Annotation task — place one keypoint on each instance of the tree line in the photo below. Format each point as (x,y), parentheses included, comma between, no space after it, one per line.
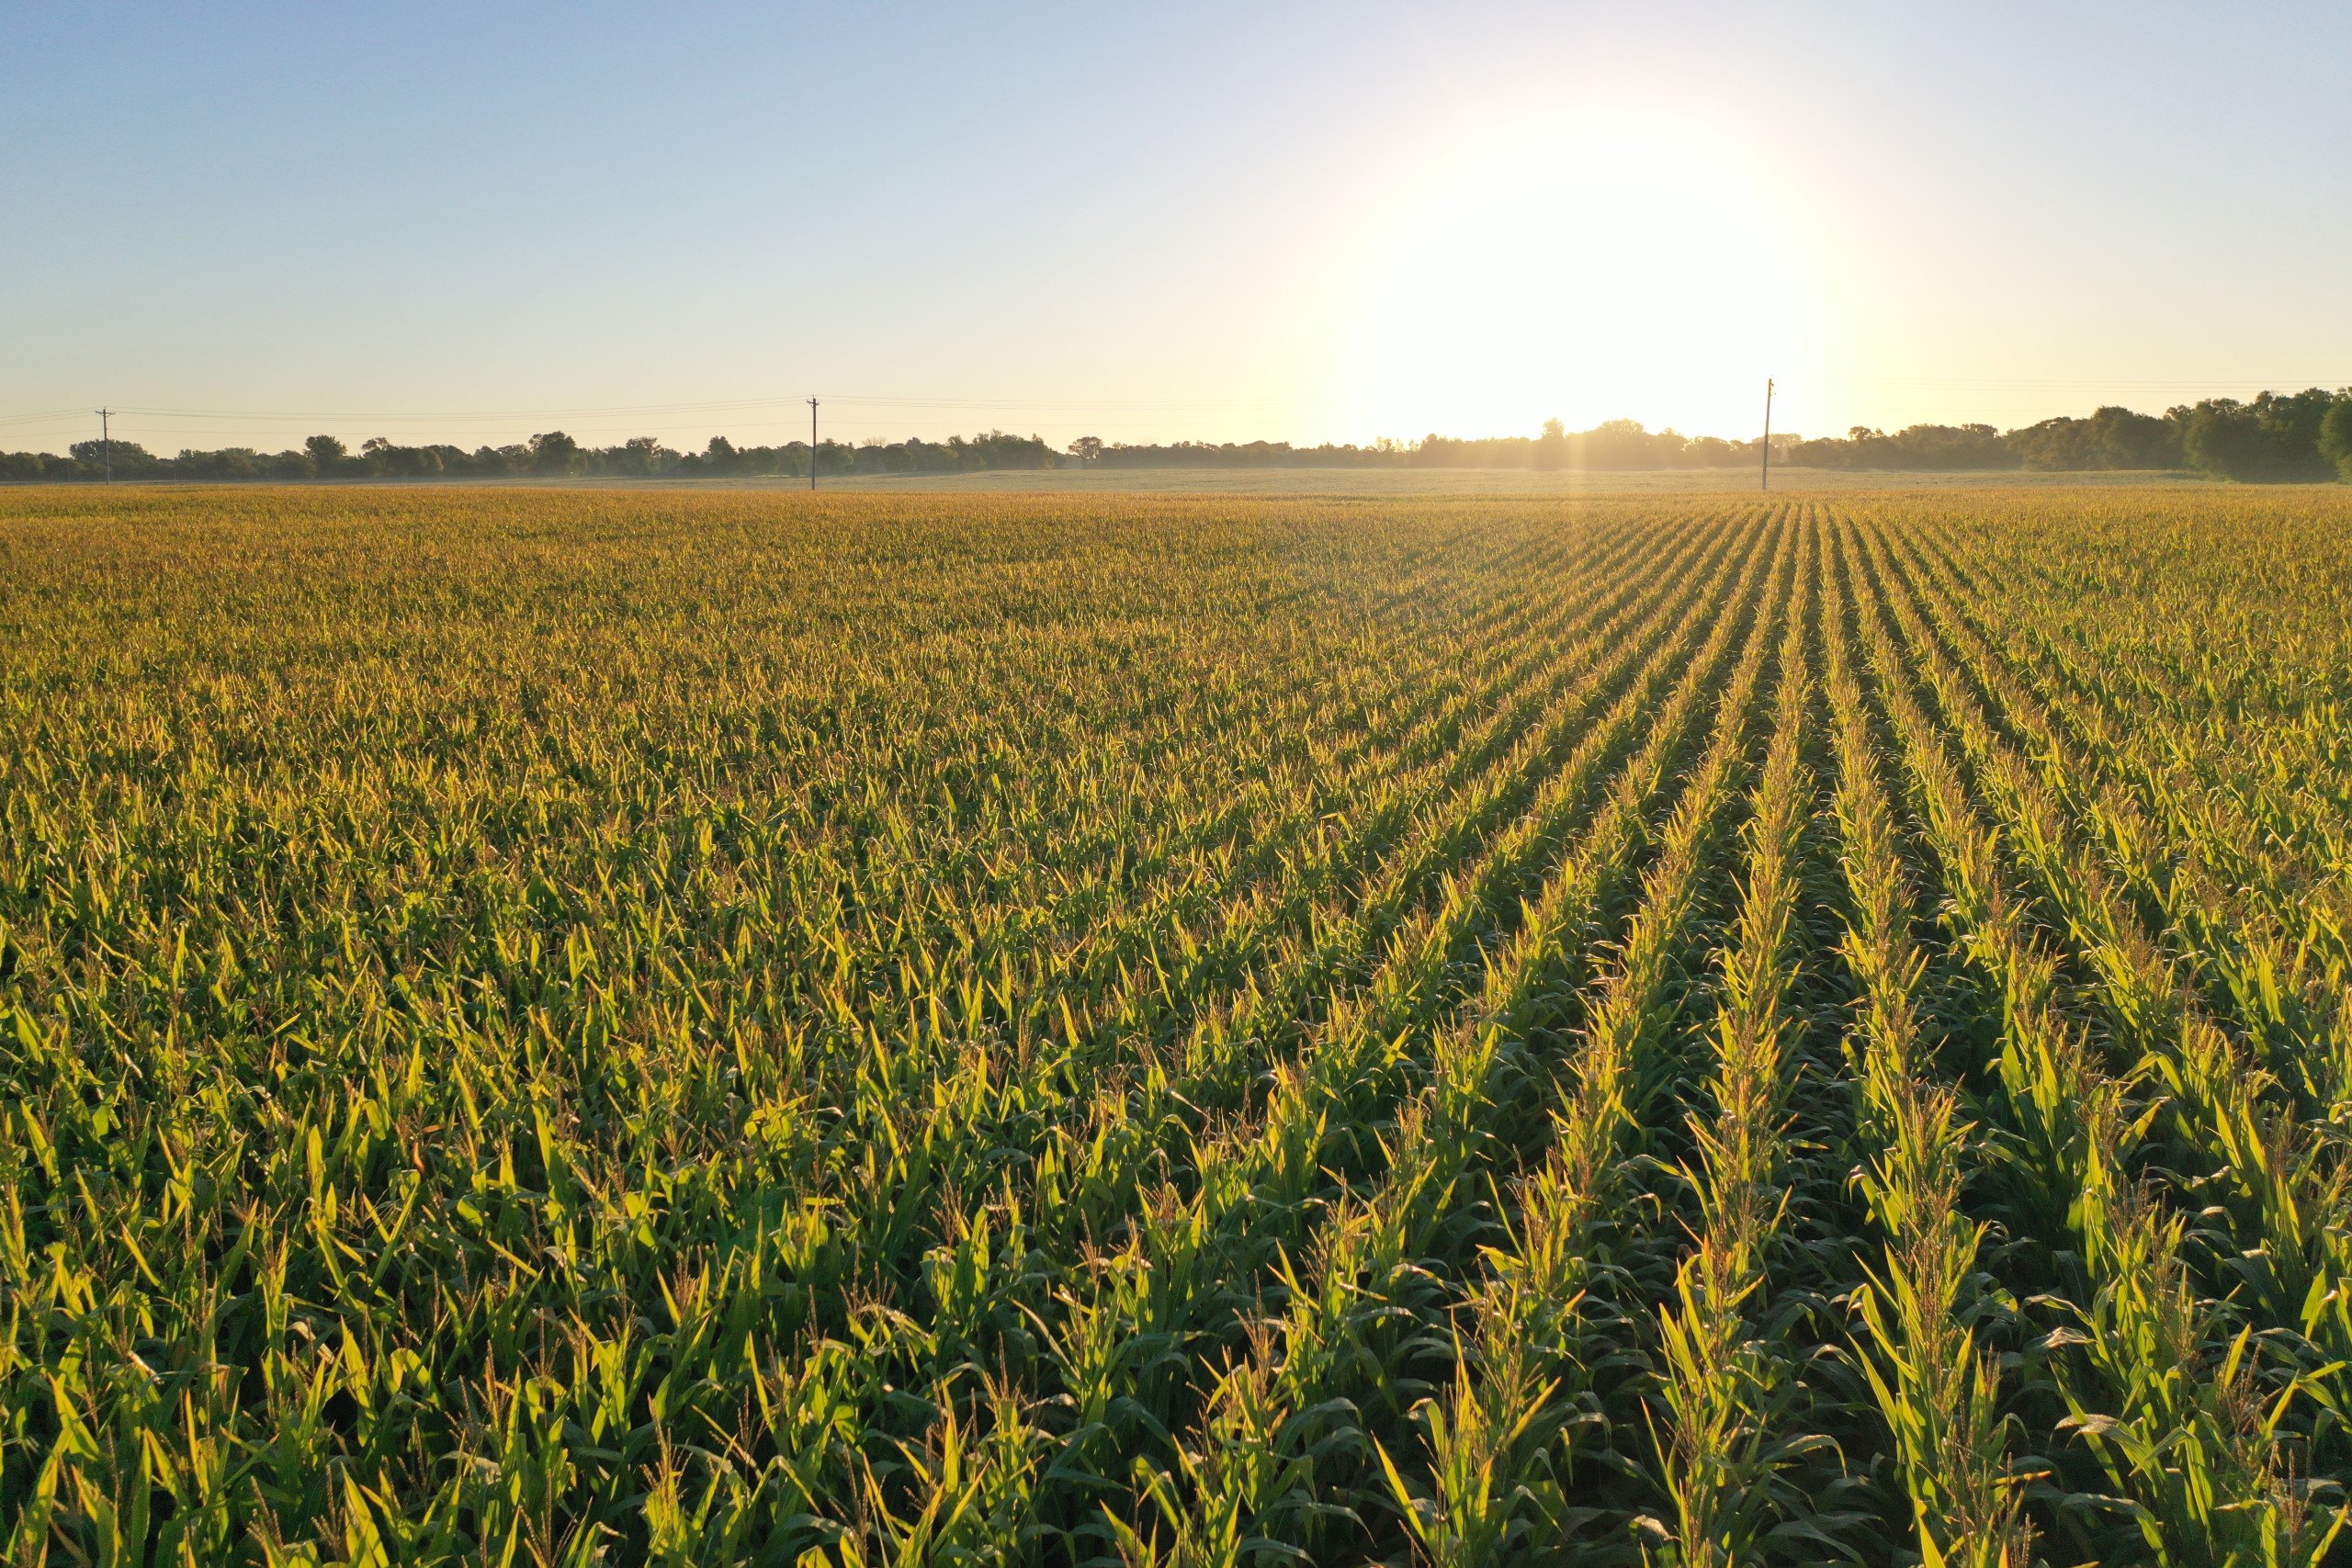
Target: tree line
(2276,437)
(2304,437)
(551,455)
(2279,437)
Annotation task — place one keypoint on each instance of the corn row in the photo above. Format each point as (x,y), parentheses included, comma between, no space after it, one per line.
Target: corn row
(2235,898)
(2190,1447)
(1726,1391)
(2285,1186)
(1505,1447)
(546,1026)
(1938,1385)
(1261,1199)
(986,1267)
(1297,1408)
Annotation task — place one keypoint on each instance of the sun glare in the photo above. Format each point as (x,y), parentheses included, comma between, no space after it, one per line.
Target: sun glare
(1584,275)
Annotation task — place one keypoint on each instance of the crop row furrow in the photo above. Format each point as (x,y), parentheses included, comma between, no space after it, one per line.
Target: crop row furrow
(1302,1246)
(2282,1185)
(1509,1447)
(2155,1387)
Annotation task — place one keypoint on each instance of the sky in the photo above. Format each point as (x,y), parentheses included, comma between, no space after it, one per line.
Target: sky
(243,223)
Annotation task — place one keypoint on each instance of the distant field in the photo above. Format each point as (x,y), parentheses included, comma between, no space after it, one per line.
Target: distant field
(719,1026)
(1478,481)
(1365,482)
(1440,481)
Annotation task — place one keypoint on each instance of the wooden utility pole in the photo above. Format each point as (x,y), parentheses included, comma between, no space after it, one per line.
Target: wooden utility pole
(1768,432)
(812,444)
(106,440)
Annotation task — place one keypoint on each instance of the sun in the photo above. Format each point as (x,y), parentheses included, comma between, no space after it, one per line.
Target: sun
(1583,273)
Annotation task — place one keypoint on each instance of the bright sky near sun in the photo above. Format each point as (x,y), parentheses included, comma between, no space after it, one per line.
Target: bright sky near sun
(248,222)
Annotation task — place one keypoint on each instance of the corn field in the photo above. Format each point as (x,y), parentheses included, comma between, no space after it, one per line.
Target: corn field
(547,1027)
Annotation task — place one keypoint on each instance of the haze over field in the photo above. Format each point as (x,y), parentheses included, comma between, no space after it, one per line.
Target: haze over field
(1311,222)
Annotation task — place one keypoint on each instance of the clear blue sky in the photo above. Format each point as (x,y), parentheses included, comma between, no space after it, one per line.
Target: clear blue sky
(445,222)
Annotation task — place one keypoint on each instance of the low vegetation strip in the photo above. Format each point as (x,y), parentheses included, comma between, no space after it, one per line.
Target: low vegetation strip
(2279,437)
(549,1026)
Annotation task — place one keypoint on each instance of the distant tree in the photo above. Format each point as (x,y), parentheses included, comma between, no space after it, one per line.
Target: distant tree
(1552,447)
(228,463)
(1624,443)
(328,455)
(2273,440)
(990,449)
(2128,440)
(380,458)
(2111,438)
(1715,452)
(1947,448)
(2335,434)
(2304,435)
(553,452)
(131,460)
(46,465)
(645,455)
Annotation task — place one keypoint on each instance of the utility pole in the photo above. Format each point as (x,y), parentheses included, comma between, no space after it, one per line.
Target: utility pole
(106,440)
(1768,432)
(812,444)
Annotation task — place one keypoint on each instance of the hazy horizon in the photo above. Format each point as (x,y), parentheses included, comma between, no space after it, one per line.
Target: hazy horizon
(1325,224)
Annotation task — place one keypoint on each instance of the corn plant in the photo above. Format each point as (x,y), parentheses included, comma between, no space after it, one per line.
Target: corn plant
(551,1026)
